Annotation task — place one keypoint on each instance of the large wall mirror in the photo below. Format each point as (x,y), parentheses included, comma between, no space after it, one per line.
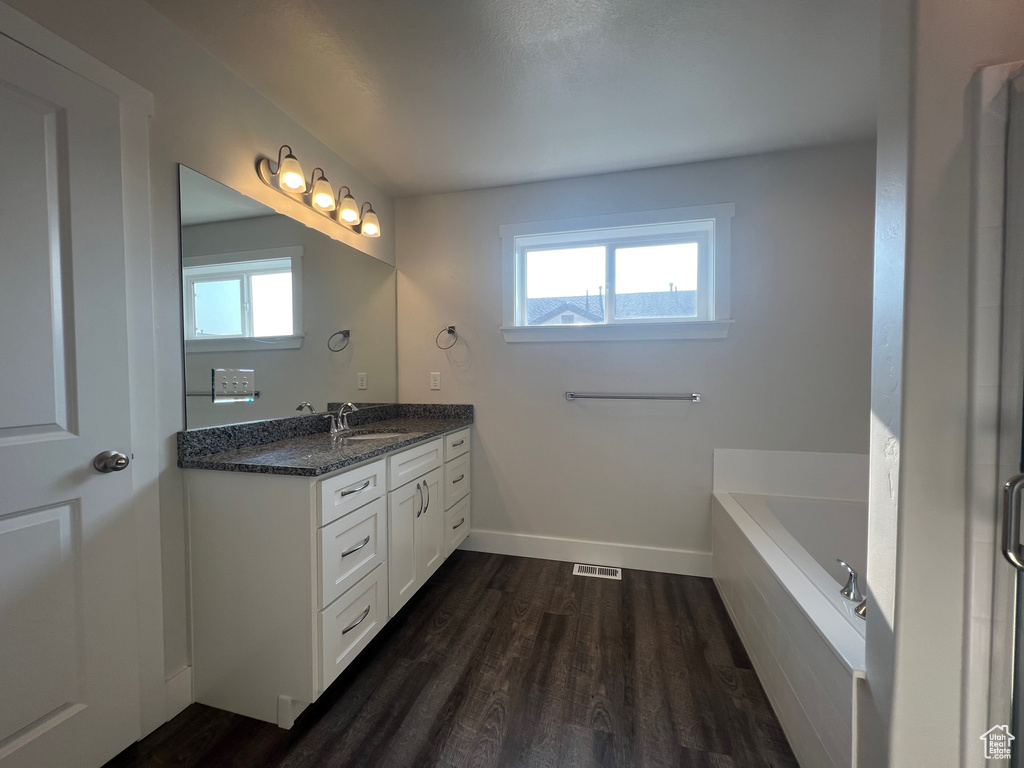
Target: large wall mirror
(313,319)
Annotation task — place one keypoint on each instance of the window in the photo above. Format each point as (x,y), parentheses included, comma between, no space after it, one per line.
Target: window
(656,274)
(243,300)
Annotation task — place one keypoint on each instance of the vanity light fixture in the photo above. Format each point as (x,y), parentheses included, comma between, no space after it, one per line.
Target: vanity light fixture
(321,195)
(289,173)
(288,179)
(369,225)
(348,208)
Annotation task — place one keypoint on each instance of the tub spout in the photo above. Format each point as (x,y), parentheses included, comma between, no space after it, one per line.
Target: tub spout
(851,591)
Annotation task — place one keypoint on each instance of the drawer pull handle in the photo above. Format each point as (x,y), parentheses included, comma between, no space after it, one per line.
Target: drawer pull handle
(356,548)
(458,524)
(461,442)
(419,510)
(459,479)
(362,487)
(357,622)
(427,489)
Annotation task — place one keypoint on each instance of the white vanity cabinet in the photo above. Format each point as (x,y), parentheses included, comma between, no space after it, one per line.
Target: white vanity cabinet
(293,576)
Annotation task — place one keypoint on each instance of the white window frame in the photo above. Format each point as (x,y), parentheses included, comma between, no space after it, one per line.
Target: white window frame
(708,225)
(217,265)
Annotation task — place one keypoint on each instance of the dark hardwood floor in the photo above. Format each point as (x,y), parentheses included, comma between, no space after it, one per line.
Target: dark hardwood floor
(505,661)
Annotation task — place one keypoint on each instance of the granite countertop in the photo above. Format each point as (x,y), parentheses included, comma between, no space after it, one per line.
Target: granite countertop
(294,450)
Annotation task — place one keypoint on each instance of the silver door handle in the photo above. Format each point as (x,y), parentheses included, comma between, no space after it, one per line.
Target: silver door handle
(357,547)
(357,622)
(459,479)
(110,461)
(458,523)
(1011,522)
(362,487)
(426,487)
(420,492)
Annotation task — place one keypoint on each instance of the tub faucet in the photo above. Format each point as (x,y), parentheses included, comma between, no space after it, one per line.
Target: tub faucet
(306,405)
(851,591)
(862,610)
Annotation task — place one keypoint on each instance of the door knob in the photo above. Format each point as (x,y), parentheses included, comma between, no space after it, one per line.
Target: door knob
(110,461)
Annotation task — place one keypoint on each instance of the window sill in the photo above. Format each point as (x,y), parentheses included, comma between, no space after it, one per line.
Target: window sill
(243,345)
(701,329)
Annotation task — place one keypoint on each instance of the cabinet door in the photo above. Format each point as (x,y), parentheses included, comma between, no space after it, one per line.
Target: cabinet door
(403,509)
(430,527)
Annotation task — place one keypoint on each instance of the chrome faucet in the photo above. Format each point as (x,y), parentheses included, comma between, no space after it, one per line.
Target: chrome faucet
(337,426)
(862,610)
(851,591)
(343,412)
(306,405)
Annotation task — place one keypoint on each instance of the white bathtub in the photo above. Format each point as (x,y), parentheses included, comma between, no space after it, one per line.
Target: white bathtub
(774,564)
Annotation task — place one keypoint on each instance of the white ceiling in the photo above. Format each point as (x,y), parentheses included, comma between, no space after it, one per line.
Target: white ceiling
(204,200)
(428,96)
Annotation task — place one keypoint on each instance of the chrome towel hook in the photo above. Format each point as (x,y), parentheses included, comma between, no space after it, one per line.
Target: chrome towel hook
(450,330)
(346,337)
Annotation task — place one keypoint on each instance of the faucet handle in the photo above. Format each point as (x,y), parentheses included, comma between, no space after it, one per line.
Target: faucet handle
(851,591)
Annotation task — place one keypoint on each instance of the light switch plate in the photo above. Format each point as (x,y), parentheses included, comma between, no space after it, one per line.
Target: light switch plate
(234,385)
(360,381)
(435,380)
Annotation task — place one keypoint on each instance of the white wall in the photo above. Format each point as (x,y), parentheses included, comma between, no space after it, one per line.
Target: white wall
(341,288)
(911,710)
(793,374)
(210,120)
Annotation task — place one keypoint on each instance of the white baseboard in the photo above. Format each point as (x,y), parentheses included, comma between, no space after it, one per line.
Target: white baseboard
(179,691)
(639,558)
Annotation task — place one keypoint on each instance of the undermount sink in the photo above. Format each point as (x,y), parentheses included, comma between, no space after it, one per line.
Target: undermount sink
(370,435)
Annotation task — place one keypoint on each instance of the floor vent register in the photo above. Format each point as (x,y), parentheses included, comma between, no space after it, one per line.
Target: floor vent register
(597,571)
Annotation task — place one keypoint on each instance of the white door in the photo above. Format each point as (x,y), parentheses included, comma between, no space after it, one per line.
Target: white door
(430,528)
(404,507)
(68,604)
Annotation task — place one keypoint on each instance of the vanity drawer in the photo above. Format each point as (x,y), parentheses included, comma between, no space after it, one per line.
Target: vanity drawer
(350,622)
(456,479)
(350,490)
(456,444)
(456,525)
(351,547)
(415,462)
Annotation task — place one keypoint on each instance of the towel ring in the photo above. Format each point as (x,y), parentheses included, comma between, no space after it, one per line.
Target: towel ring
(346,335)
(450,330)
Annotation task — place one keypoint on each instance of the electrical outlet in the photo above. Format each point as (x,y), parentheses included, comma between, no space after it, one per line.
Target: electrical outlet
(360,381)
(435,380)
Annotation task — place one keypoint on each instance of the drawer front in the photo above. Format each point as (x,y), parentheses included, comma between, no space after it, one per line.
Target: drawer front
(456,444)
(456,525)
(350,622)
(415,462)
(456,480)
(351,547)
(350,490)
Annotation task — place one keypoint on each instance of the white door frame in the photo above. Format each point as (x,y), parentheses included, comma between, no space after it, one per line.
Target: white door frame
(991,456)
(136,107)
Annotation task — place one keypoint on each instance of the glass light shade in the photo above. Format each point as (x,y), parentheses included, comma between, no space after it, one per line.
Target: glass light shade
(290,174)
(371,225)
(323,195)
(349,210)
